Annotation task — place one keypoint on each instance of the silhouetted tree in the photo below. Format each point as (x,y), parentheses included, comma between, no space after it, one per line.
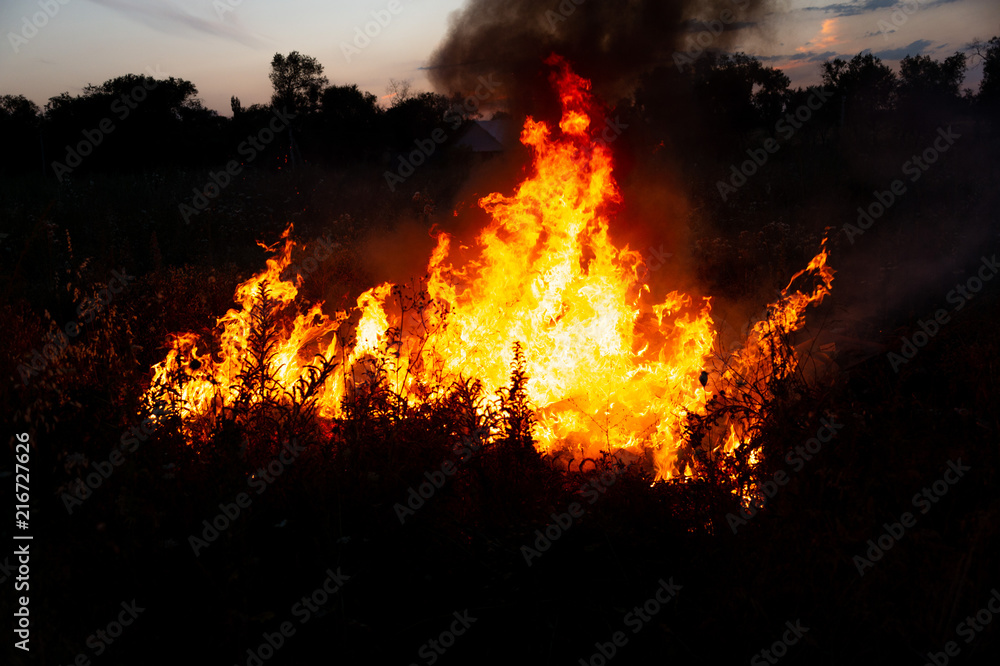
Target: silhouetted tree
(350,121)
(738,91)
(866,86)
(19,125)
(921,75)
(18,108)
(398,91)
(928,89)
(415,119)
(770,93)
(153,122)
(822,119)
(989,87)
(250,121)
(298,82)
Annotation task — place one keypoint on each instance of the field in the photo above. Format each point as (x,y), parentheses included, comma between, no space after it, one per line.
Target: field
(876,542)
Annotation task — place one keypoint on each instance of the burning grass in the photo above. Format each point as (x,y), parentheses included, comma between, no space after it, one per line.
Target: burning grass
(399,415)
(544,334)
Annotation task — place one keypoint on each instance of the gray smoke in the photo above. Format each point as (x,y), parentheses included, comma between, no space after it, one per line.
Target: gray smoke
(610,42)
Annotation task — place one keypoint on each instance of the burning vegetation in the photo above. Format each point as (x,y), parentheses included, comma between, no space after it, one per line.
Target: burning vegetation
(525,421)
(545,325)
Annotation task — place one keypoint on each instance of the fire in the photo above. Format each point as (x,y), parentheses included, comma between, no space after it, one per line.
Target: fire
(610,367)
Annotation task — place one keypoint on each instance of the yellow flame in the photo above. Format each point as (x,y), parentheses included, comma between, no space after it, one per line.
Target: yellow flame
(609,368)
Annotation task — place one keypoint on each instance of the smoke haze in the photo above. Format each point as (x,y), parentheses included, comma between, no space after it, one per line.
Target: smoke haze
(609,42)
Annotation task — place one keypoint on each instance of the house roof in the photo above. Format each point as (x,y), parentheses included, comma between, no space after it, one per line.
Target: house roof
(486,136)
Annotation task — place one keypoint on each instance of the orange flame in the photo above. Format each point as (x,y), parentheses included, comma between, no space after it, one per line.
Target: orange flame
(609,368)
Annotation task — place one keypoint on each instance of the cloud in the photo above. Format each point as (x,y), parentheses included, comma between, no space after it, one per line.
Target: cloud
(878,33)
(694,25)
(914,48)
(167,17)
(803,57)
(822,57)
(826,38)
(866,6)
(854,8)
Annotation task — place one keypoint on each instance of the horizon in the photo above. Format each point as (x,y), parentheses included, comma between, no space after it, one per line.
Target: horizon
(225,47)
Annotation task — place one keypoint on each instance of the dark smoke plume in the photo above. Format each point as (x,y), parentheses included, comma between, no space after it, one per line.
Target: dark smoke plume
(610,42)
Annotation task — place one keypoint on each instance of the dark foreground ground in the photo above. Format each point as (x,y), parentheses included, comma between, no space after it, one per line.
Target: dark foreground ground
(728,590)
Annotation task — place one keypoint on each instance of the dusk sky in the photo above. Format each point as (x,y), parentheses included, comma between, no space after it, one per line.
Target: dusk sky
(227,53)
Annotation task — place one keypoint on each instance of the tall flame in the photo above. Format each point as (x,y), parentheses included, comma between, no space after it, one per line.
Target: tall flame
(609,368)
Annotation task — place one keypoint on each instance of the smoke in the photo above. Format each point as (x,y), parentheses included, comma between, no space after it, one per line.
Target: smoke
(609,42)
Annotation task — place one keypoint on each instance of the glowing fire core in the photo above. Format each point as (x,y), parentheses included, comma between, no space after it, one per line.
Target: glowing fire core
(609,367)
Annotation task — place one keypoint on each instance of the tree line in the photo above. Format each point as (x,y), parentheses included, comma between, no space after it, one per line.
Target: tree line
(136,121)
